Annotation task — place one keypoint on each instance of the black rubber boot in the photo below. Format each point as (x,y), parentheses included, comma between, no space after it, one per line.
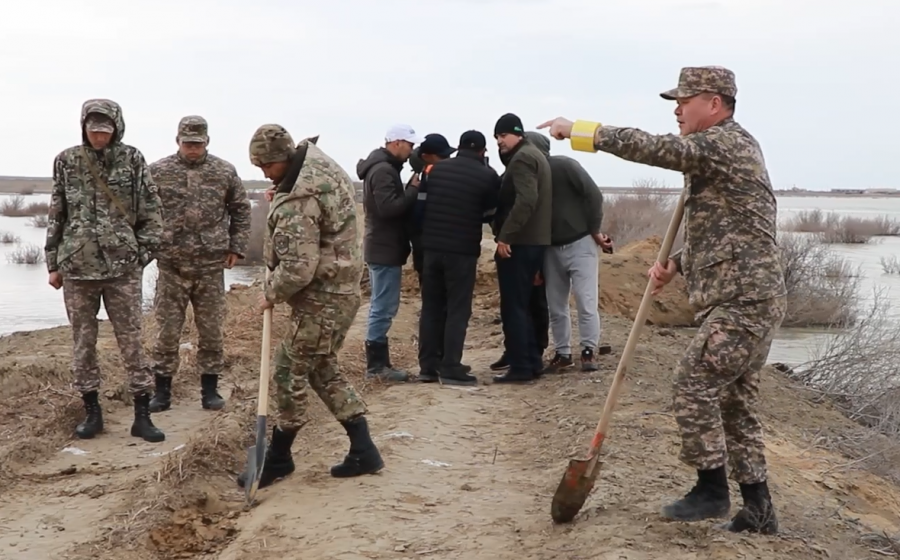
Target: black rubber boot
(143,428)
(93,420)
(210,399)
(279,462)
(363,457)
(758,513)
(707,499)
(378,363)
(162,398)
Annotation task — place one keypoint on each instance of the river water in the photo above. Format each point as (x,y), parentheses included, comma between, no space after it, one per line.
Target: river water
(27,302)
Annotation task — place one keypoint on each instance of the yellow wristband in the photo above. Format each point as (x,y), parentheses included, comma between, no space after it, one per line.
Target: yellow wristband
(582,138)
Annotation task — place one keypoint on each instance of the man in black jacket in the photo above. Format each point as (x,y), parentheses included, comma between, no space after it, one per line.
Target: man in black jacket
(434,148)
(461,191)
(522,229)
(386,247)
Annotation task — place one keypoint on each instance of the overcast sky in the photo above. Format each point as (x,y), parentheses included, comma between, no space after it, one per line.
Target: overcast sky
(816,79)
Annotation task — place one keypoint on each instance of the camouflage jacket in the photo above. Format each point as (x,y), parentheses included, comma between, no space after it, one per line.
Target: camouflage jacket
(730,251)
(88,237)
(206,211)
(313,241)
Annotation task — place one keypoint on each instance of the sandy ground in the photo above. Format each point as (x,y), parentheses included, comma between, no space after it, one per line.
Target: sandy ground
(469,472)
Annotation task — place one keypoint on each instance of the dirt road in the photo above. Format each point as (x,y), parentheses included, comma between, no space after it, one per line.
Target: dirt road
(469,471)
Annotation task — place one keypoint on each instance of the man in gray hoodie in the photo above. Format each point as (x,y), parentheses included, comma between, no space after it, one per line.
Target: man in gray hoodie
(571,262)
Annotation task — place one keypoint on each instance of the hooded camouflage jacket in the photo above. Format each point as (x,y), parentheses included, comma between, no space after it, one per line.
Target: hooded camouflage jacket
(206,211)
(730,251)
(88,237)
(313,242)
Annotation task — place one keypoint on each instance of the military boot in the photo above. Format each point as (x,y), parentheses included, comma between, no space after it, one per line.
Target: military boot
(162,398)
(209,397)
(758,513)
(378,363)
(142,427)
(707,499)
(279,462)
(363,457)
(93,420)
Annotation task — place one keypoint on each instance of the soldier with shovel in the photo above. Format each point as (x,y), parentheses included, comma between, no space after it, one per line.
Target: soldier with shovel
(735,279)
(315,260)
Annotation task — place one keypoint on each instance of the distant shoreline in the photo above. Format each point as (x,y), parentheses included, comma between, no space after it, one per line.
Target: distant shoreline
(42,185)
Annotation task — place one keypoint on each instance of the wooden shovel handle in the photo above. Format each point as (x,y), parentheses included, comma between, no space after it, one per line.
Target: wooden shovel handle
(262,404)
(635,334)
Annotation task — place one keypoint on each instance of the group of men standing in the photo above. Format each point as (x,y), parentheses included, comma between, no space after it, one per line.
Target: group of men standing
(111,214)
(545,213)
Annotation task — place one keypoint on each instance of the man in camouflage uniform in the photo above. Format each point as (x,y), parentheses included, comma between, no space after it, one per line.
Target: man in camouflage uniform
(316,262)
(207,229)
(735,279)
(105,227)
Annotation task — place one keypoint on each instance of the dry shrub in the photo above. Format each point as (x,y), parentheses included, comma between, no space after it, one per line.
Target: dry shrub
(633,217)
(822,287)
(834,228)
(26,254)
(255,251)
(890,265)
(15,207)
(8,238)
(27,191)
(39,221)
(856,369)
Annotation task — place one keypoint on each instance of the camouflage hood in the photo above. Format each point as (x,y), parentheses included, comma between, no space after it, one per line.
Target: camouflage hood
(539,140)
(103,107)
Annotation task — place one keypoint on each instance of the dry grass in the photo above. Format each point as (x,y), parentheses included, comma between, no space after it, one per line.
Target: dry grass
(26,254)
(39,221)
(8,238)
(633,217)
(835,228)
(15,207)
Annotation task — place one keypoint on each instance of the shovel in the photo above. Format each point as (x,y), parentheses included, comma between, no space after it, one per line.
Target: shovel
(580,475)
(256,454)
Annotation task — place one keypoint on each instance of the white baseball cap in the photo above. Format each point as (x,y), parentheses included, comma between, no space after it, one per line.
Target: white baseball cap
(402,132)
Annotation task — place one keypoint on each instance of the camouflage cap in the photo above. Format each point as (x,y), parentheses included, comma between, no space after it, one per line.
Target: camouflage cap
(98,122)
(271,143)
(695,80)
(193,128)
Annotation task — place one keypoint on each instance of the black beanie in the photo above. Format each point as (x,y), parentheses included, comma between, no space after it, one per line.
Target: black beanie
(509,124)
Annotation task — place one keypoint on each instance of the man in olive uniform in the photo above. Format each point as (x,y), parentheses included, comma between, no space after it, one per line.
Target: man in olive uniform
(105,226)
(316,265)
(207,229)
(735,279)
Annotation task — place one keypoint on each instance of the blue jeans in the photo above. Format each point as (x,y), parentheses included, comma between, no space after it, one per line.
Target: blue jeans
(385,300)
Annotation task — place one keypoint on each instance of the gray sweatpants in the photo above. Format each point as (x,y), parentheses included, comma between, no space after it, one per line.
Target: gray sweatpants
(566,268)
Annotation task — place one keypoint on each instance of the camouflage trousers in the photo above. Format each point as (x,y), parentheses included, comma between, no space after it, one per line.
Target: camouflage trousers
(717,389)
(122,299)
(307,357)
(205,292)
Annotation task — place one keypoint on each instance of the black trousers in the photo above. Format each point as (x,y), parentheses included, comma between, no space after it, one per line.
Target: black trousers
(540,316)
(515,276)
(448,283)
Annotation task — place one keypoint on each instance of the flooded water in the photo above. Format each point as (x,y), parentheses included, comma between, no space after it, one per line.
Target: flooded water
(27,302)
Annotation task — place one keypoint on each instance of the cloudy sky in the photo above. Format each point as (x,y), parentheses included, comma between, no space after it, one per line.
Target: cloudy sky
(816,79)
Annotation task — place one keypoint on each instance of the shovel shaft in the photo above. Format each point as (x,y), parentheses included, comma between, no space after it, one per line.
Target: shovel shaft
(262,402)
(633,336)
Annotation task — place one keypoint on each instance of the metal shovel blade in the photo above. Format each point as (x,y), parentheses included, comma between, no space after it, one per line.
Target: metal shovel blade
(256,460)
(573,489)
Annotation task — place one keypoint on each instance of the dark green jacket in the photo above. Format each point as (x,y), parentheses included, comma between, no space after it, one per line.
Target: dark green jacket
(524,208)
(577,201)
